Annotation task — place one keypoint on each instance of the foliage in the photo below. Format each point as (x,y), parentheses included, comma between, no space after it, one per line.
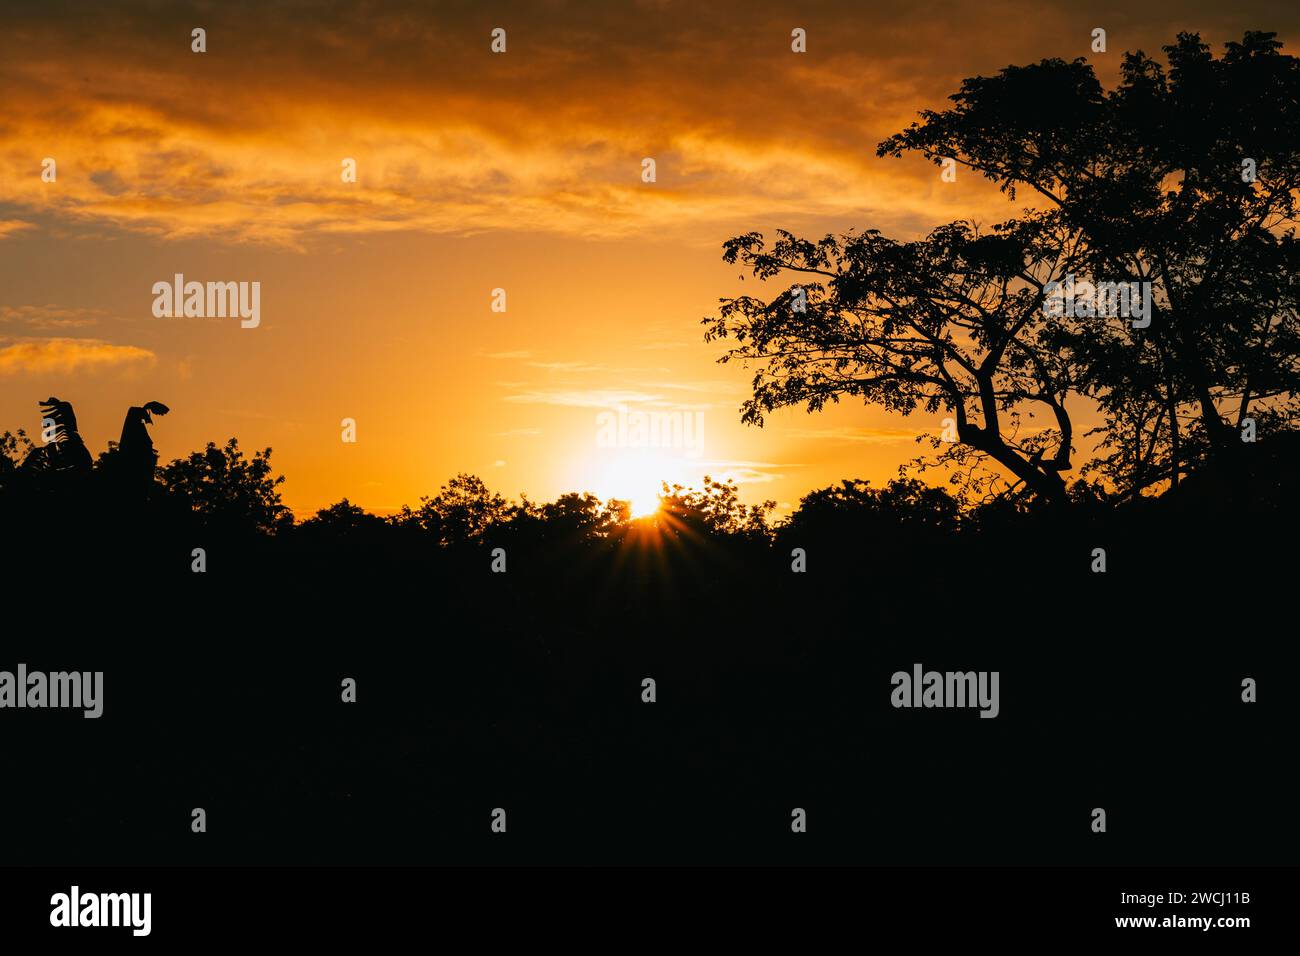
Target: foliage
(462,511)
(716,508)
(1184,178)
(226,489)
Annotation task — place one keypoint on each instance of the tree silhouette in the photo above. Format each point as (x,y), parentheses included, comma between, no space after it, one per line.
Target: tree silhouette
(716,509)
(343,519)
(1185,180)
(572,519)
(225,489)
(463,510)
(855,510)
(14,447)
(950,322)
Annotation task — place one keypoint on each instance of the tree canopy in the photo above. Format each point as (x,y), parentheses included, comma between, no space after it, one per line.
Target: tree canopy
(1181,178)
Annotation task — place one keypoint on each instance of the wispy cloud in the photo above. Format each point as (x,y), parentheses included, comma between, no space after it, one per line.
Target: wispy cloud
(711,388)
(50,316)
(590,398)
(510,355)
(867,436)
(577,367)
(746,472)
(604,398)
(9,227)
(666,346)
(67,355)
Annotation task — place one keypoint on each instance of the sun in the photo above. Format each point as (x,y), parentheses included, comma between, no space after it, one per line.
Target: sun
(637,477)
(643,506)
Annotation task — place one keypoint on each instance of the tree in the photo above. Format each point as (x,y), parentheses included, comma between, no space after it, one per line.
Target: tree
(228,491)
(951,322)
(1185,179)
(13,449)
(715,509)
(1148,183)
(343,520)
(462,511)
(855,511)
(575,517)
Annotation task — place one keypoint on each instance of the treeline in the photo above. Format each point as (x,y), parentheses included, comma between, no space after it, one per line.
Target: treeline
(224,499)
(226,490)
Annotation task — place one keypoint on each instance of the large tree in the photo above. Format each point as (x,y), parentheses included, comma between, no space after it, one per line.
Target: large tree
(949,323)
(1183,179)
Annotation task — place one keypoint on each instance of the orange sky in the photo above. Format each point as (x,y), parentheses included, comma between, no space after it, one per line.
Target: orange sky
(475,171)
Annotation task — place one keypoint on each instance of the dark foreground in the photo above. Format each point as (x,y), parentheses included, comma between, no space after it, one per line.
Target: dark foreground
(523,691)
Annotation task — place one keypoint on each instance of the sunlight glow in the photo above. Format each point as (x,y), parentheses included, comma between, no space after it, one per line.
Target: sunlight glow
(643,507)
(636,476)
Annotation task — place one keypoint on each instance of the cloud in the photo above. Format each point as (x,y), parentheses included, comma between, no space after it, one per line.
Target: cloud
(583,367)
(744,472)
(9,227)
(48,355)
(869,436)
(710,387)
(666,346)
(246,141)
(746,476)
(51,316)
(589,398)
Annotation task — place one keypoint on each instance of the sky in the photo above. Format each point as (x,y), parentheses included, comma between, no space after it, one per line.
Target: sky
(477,171)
